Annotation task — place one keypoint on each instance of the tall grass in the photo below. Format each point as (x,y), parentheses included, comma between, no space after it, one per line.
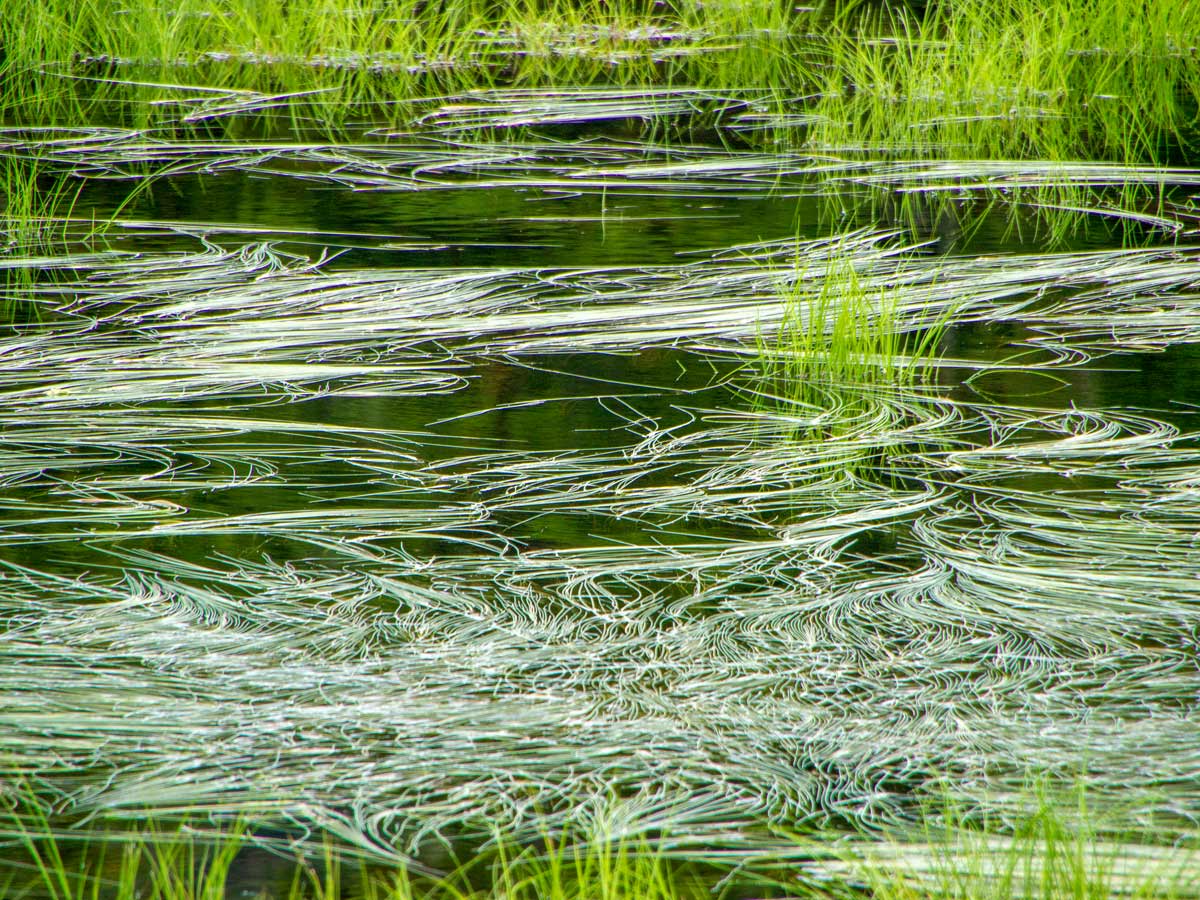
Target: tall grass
(1016,79)
(207,861)
(1007,81)
(361,50)
(1058,849)
(34,207)
(1013,79)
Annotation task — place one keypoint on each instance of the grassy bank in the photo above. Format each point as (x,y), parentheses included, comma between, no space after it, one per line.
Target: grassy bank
(1042,94)
(1017,79)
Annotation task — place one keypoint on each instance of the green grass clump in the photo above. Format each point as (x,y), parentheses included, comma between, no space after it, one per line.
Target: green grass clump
(183,862)
(839,331)
(1016,79)
(33,210)
(1055,851)
(32,206)
(843,373)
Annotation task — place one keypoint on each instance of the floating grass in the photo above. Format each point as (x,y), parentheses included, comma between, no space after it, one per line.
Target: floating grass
(1054,850)
(746,596)
(241,585)
(466,156)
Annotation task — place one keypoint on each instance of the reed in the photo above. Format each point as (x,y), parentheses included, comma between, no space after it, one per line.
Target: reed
(1015,79)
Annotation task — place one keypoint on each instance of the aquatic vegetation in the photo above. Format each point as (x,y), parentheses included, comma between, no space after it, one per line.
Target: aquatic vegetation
(1056,86)
(34,207)
(787,635)
(32,223)
(1053,850)
(1057,848)
(1017,80)
(838,332)
(1044,97)
(948,200)
(839,368)
(603,435)
(356,51)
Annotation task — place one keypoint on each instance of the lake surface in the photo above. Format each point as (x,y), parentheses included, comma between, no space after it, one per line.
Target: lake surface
(338,490)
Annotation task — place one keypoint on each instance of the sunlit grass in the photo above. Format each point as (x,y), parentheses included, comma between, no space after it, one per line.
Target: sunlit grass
(358,597)
(1007,82)
(1017,80)
(1056,849)
(1011,80)
(34,208)
(838,331)
(844,369)
(236,582)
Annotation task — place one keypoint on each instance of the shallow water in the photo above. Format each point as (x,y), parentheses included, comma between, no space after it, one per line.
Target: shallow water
(456,527)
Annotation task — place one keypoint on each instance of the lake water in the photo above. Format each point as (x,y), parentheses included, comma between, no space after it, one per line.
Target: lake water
(401,506)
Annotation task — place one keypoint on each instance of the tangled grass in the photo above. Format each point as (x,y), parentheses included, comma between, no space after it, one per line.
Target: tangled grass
(217,604)
(421,558)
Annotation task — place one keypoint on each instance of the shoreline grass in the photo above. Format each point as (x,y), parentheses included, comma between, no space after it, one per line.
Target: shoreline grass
(1011,82)
(1057,850)
(968,79)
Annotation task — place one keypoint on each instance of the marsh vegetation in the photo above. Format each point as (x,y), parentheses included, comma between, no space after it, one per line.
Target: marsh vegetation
(599,449)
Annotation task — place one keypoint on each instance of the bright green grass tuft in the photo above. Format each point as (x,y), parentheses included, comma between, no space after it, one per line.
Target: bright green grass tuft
(1059,850)
(840,332)
(1016,79)
(845,370)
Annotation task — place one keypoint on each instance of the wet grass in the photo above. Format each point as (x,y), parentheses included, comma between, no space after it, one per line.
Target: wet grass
(966,80)
(36,206)
(299,532)
(347,572)
(837,331)
(1039,97)
(1018,80)
(1052,851)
